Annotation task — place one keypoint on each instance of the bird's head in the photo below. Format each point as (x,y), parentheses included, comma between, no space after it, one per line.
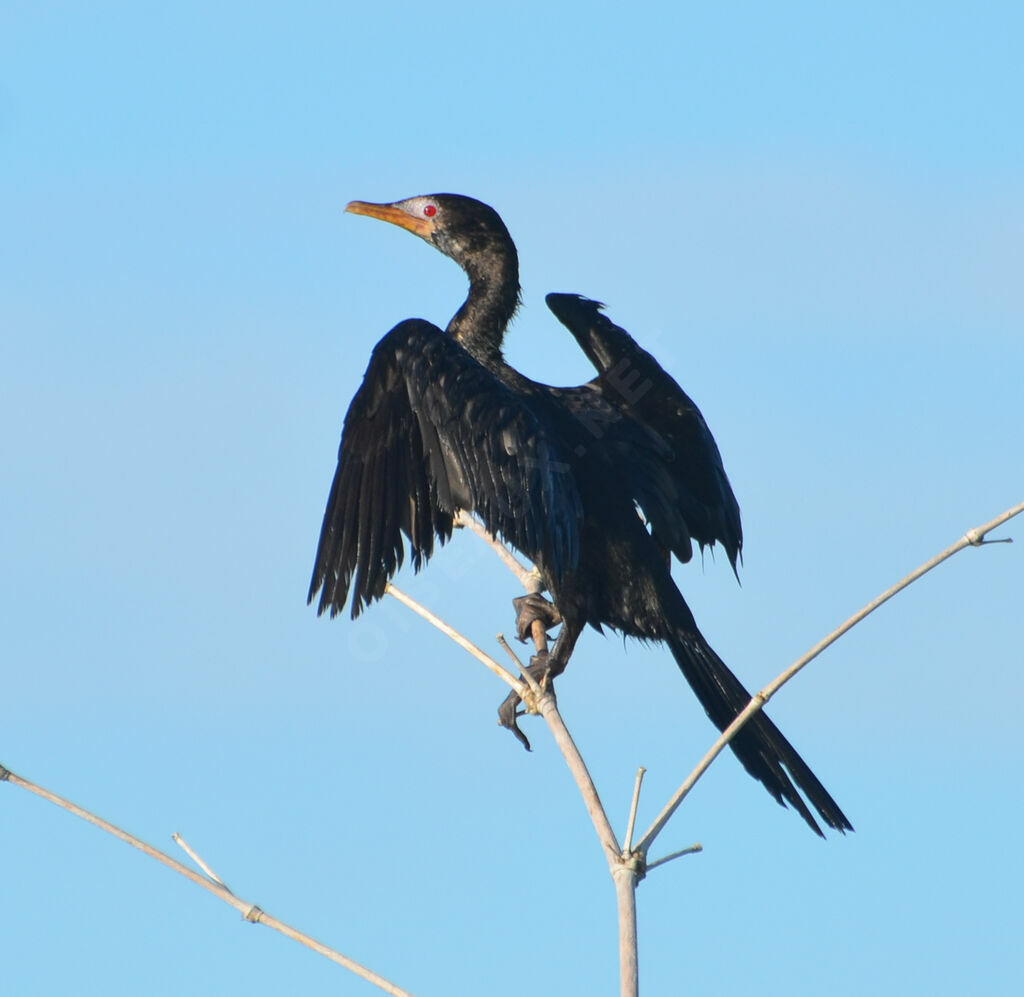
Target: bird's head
(469,231)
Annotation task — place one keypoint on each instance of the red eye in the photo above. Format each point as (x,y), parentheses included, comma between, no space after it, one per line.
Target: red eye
(430,210)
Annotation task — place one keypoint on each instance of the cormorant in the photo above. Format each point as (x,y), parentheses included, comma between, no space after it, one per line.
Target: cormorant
(594,484)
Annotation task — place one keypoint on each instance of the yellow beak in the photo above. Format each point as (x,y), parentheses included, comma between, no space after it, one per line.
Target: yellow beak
(397,216)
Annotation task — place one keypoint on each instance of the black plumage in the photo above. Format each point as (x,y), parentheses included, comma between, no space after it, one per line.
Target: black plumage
(643,391)
(429,432)
(441,422)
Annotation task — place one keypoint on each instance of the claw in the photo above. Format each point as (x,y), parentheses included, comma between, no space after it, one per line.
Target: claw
(508,717)
(508,714)
(531,609)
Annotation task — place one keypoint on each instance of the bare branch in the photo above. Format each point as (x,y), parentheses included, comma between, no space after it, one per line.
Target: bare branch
(626,878)
(527,677)
(507,648)
(692,850)
(972,538)
(249,911)
(527,576)
(627,868)
(435,621)
(548,709)
(627,844)
(539,635)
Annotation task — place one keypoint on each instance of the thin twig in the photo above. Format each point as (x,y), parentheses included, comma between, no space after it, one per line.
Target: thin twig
(528,576)
(627,844)
(692,850)
(528,678)
(482,656)
(972,538)
(507,648)
(249,911)
(192,854)
(520,570)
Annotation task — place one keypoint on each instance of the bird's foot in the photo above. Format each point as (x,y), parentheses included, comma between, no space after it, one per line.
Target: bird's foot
(534,608)
(508,712)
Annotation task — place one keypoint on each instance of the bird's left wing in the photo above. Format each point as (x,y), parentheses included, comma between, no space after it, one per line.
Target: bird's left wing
(431,431)
(632,380)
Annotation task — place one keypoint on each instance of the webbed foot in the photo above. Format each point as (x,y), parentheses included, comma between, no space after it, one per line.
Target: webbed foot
(508,712)
(531,609)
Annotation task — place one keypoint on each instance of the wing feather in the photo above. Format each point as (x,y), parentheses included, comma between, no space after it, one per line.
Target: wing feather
(701,502)
(430,431)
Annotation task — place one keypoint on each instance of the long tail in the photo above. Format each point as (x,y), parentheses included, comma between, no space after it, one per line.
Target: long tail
(760,745)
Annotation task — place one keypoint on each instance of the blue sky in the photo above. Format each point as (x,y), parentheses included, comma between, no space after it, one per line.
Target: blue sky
(812,214)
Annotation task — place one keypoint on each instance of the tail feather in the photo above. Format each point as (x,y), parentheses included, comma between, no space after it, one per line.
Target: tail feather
(760,745)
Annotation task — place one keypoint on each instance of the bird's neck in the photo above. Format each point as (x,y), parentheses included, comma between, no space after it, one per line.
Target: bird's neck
(480,324)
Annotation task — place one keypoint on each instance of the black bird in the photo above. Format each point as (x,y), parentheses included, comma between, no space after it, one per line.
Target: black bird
(441,422)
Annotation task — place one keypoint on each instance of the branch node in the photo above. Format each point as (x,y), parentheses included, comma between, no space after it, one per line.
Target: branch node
(534,697)
(977,538)
(633,864)
(5,773)
(254,914)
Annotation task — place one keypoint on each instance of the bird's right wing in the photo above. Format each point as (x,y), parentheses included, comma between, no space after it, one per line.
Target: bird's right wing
(431,431)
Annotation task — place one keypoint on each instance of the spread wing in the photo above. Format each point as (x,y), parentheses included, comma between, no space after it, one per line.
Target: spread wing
(638,386)
(431,431)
